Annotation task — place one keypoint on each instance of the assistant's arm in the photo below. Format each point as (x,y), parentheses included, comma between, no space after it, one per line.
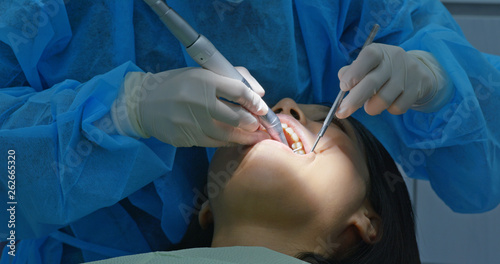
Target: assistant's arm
(455,147)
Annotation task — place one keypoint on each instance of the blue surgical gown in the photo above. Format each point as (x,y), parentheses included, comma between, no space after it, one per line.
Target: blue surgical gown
(83,192)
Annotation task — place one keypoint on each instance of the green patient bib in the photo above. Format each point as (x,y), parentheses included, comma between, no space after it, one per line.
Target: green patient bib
(222,255)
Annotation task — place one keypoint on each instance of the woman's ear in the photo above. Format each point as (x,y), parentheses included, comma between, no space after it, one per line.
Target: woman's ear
(205,217)
(368,223)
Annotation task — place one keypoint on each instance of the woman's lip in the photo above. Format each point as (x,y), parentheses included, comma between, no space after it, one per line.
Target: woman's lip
(278,145)
(299,130)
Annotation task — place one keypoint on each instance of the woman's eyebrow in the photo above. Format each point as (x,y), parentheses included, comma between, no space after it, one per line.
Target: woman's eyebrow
(338,122)
(347,128)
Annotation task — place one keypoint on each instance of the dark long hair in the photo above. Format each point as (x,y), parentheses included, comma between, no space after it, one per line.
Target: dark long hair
(390,199)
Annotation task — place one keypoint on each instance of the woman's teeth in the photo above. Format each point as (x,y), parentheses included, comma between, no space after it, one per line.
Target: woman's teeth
(293,140)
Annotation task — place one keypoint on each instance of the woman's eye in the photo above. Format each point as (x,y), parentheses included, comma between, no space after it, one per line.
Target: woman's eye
(335,121)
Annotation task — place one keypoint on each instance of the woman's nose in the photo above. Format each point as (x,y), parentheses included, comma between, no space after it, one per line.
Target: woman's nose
(288,106)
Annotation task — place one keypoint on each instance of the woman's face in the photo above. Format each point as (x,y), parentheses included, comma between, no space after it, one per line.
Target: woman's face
(268,182)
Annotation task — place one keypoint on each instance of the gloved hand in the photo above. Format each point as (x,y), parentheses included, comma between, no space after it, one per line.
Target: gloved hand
(387,77)
(181,107)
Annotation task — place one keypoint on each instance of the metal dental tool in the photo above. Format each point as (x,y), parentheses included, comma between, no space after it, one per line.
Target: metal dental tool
(207,56)
(341,94)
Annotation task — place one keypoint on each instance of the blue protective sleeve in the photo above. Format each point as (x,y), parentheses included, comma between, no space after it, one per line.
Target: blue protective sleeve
(456,148)
(65,166)
(61,67)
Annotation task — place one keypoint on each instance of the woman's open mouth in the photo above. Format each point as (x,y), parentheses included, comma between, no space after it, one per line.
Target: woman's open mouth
(293,140)
(294,134)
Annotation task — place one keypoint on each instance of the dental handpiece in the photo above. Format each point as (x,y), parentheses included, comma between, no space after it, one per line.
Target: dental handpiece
(207,56)
(341,94)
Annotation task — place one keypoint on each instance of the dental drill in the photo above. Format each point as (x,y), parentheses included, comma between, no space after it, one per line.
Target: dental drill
(340,96)
(207,56)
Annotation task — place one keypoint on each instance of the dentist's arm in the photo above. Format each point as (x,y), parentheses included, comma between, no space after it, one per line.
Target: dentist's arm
(387,77)
(182,107)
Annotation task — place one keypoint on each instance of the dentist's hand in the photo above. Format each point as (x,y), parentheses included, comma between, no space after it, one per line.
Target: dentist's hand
(181,107)
(387,77)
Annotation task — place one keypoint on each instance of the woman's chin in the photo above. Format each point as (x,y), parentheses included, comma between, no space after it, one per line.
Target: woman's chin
(266,166)
(266,175)
(265,169)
